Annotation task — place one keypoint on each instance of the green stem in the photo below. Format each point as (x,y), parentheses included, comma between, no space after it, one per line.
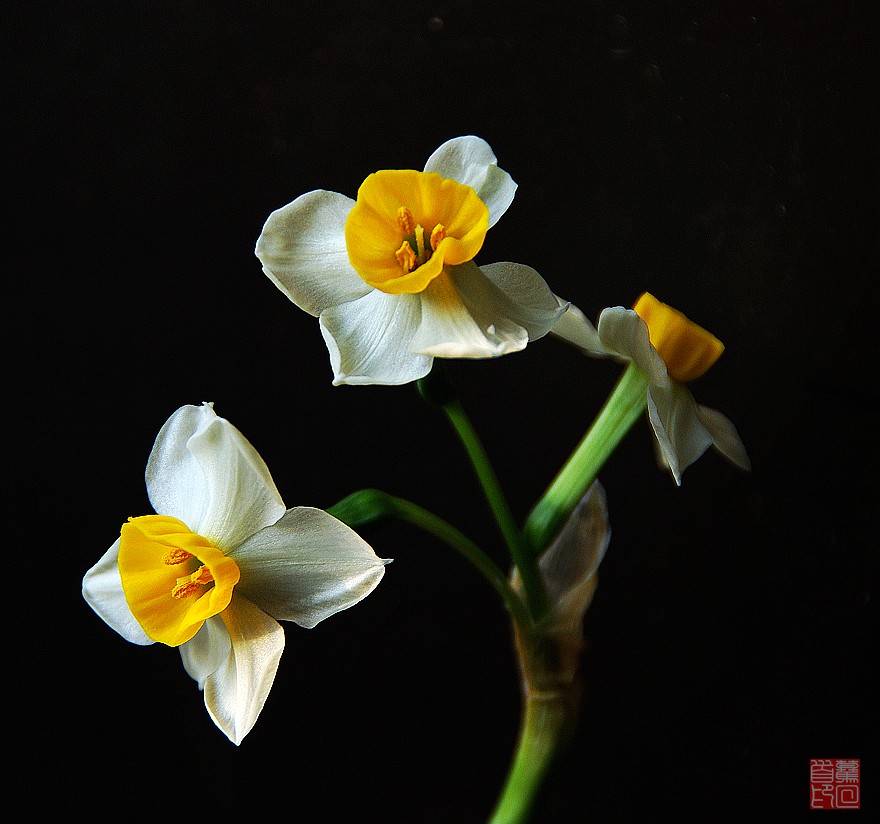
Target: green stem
(624,406)
(544,721)
(523,558)
(370,505)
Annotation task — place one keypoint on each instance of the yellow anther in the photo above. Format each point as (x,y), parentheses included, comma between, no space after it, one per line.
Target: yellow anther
(437,234)
(175,556)
(189,585)
(406,257)
(184,588)
(405,221)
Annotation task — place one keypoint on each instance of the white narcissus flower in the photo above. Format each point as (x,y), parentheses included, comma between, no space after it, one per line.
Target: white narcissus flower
(221,562)
(671,351)
(391,276)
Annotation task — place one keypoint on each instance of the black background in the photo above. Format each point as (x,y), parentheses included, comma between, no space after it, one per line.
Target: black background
(722,156)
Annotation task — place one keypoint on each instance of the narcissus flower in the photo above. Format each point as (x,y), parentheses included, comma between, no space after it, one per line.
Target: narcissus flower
(392,277)
(221,562)
(669,350)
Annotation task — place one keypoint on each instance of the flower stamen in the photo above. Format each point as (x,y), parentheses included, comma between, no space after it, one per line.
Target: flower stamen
(175,556)
(437,235)
(406,257)
(405,221)
(190,585)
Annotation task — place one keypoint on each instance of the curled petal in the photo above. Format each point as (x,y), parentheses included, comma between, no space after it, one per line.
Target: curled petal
(370,340)
(470,160)
(508,292)
(234,658)
(624,333)
(681,436)
(450,328)
(724,436)
(303,251)
(203,471)
(307,567)
(102,589)
(574,328)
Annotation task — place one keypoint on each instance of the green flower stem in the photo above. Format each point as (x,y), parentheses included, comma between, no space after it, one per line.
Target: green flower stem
(545,720)
(520,551)
(370,505)
(624,406)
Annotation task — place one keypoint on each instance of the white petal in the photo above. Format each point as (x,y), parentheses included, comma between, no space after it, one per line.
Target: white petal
(370,340)
(102,589)
(302,249)
(248,656)
(680,434)
(203,471)
(574,328)
(724,436)
(307,567)
(508,293)
(623,332)
(470,160)
(206,651)
(451,329)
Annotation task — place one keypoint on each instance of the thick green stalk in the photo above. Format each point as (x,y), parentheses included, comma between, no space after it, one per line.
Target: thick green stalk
(544,723)
(624,406)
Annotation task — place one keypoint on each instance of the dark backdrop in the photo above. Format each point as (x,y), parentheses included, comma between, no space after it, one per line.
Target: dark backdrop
(720,155)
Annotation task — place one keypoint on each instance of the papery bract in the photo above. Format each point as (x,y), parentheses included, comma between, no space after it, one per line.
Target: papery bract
(568,568)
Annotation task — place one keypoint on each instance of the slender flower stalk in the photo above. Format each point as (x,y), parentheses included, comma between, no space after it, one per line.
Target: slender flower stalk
(371,505)
(623,408)
(456,539)
(523,558)
(438,390)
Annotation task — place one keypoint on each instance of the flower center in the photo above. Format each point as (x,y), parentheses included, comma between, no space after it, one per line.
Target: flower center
(687,349)
(413,252)
(173,579)
(406,226)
